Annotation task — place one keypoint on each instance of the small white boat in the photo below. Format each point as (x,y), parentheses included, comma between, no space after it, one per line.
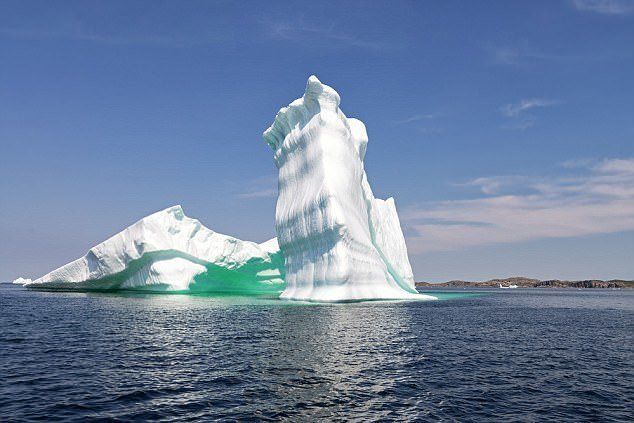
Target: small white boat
(508,287)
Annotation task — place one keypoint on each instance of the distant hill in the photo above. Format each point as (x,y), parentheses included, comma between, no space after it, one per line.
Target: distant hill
(522,282)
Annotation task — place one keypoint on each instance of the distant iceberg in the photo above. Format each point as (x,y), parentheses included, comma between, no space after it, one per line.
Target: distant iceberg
(170,252)
(22,281)
(336,241)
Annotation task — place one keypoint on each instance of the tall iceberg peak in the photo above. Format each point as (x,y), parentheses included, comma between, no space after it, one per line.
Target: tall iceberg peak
(339,242)
(317,98)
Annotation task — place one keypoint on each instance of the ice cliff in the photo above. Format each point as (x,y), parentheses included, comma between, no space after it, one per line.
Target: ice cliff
(170,252)
(339,242)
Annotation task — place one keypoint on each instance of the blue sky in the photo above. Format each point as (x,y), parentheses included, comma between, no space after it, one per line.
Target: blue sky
(504,130)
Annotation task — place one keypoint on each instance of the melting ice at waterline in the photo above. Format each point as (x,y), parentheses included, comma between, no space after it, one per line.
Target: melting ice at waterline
(335,240)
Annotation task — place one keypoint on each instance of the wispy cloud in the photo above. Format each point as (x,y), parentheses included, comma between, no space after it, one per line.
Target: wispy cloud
(422,123)
(517,113)
(494,184)
(596,199)
(605,7)
(515,109)
(418,118)
(262,187)
(516,55)
(300,30)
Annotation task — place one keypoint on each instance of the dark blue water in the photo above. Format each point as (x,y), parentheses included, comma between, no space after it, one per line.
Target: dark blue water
(528,355)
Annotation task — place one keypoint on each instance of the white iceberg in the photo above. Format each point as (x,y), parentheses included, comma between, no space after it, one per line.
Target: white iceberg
(22,281)
(339,242)
(336,241)
(170,252)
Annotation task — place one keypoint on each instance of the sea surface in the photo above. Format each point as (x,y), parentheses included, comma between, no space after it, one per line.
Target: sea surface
(502,355)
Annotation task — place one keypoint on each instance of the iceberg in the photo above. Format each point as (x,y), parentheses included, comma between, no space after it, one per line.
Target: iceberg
(335,240)
(21,281)
(170,252)
(339,242)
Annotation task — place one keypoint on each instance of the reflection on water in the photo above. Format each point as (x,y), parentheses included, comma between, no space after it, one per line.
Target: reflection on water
(521,355)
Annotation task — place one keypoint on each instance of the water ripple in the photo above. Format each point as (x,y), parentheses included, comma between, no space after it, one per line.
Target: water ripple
(527,355)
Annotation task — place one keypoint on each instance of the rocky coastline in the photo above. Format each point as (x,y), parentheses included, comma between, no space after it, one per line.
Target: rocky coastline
(523,282)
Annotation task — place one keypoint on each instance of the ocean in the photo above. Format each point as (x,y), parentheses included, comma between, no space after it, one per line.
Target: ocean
(474,355)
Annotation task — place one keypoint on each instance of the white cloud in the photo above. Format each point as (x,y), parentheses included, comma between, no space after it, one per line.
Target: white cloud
(418,118)
(494,184)
(416,121)
(624,166)
(601,200)
(515,109)
(518,115)
(605,7)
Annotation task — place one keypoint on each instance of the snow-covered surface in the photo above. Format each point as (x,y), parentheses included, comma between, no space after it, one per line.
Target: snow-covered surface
(22,281)
(339,242)
(168,251)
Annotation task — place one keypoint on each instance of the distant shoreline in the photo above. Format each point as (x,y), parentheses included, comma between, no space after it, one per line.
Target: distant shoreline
(522,282)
